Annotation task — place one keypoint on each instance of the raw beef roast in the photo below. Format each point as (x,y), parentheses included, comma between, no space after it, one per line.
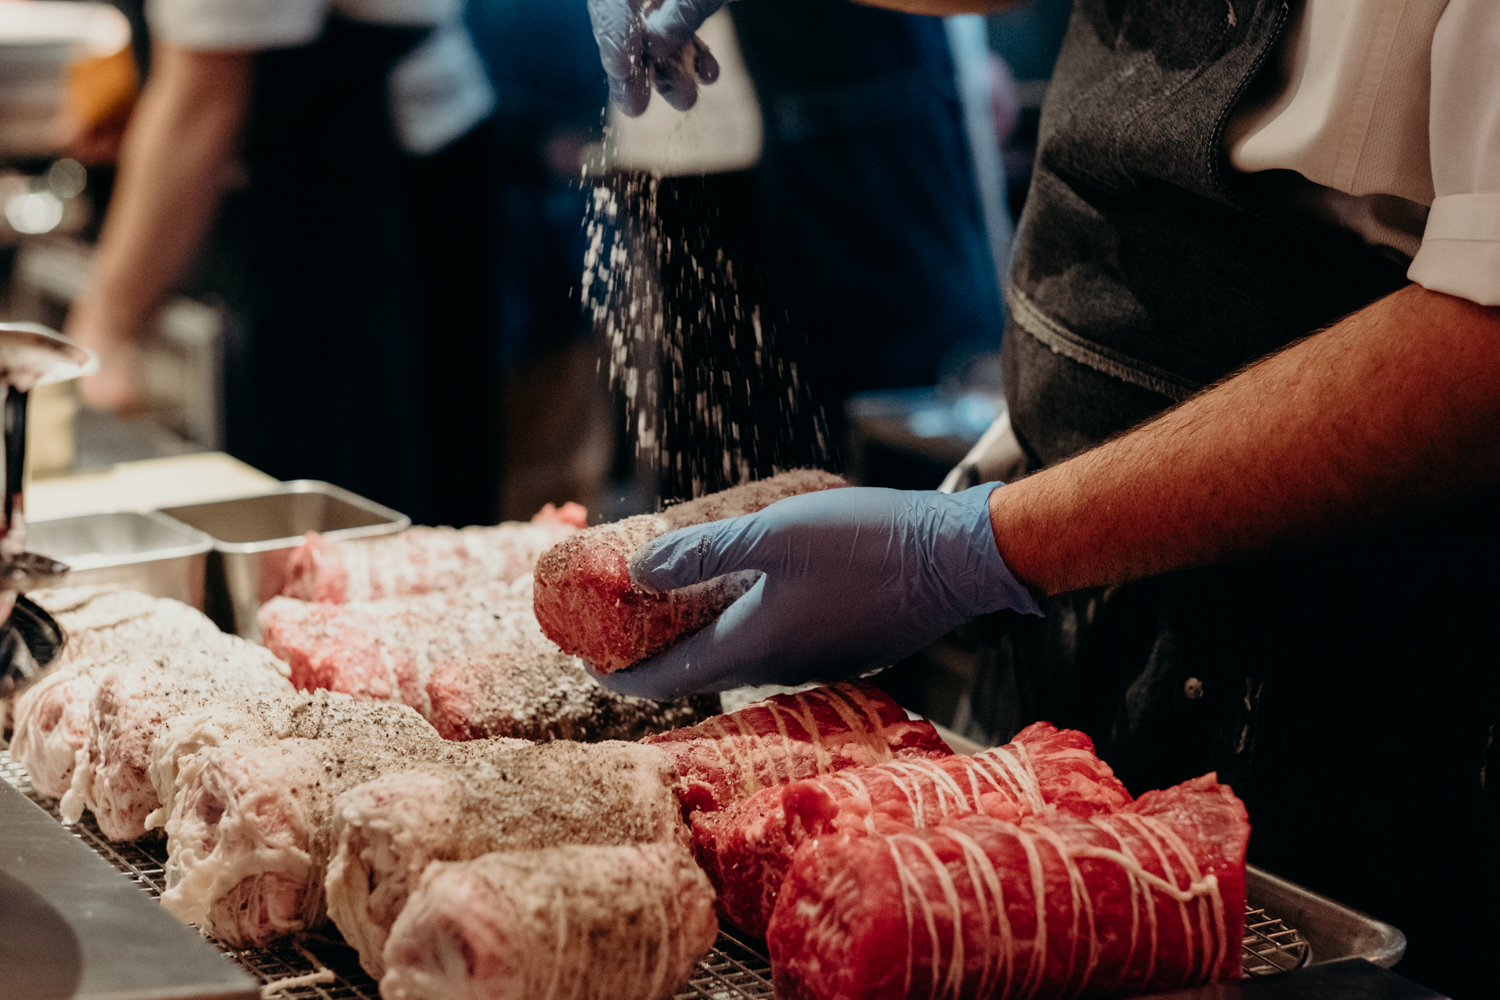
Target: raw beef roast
(251,831)
(473,662)
(565,923)
(104,626)
(747,848)
(424,560)
(1150,897)
(588,605)
(387,830)
(789,737)
(305,715)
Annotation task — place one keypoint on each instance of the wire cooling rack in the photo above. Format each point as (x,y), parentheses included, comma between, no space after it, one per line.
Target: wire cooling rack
(736,968)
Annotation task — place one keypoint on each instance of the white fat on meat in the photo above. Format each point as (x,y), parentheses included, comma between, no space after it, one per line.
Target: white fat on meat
(250,832)
(104,626)
(129,706)
(388,830)
(564,923)
(304,715)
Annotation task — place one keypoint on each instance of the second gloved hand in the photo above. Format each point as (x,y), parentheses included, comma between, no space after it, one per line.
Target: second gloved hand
(855,579)
(657,49)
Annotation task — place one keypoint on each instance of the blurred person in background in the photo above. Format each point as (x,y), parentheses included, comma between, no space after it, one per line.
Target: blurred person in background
(318,164)
(556,415)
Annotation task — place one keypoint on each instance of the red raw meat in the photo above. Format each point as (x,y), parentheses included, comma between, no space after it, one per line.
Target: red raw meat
(748,848)
(587,604)
(789,737)
(1148,898)
(424,560)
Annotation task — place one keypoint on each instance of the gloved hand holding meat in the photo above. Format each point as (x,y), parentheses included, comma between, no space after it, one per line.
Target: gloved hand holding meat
(652,44)
(854,580)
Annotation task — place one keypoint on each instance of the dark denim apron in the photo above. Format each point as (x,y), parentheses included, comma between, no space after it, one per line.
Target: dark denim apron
(360,283)
(1348,694)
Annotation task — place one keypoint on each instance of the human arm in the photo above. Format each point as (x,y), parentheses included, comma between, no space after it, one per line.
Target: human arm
(177,151)
(1392,412)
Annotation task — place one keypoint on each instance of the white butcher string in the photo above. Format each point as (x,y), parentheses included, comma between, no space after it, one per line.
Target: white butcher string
(919,865)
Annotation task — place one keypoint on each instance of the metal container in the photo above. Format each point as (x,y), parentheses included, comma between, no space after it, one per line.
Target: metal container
(252,537)
(147,552)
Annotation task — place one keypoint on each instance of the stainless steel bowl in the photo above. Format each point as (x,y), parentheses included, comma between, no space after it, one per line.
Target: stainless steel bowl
(252,537)
(146,552)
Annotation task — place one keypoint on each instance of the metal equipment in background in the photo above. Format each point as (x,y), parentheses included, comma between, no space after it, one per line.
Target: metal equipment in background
(30,355)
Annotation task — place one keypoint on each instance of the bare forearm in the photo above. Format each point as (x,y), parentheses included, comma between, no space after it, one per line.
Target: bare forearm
(185,133)
(1393,411)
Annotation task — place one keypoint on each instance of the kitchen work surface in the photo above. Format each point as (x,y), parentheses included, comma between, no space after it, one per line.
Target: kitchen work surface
(70,926)
(146,485)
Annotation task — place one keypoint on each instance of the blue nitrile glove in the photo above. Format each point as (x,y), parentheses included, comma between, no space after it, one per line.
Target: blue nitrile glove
(855,579)
(659,48)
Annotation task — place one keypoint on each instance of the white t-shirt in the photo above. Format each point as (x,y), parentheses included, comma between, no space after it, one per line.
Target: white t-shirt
(1389,113)
(438,91)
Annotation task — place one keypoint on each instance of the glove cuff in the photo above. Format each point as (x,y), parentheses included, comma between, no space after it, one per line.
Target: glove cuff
(984,583)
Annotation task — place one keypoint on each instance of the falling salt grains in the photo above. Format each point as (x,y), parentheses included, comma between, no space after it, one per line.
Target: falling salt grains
(710,398)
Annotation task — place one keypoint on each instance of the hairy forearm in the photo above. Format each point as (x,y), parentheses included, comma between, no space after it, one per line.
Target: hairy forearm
(184,134)
(1391,412)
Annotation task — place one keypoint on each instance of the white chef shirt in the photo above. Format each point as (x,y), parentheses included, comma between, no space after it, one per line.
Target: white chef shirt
(1388,113)
(438,91)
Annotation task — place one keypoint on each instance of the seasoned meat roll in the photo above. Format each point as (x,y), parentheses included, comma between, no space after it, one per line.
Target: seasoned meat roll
(587,604)
(566,923)
(387,830)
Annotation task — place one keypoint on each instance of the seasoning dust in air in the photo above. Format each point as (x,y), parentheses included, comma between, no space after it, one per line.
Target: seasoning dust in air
(712,391)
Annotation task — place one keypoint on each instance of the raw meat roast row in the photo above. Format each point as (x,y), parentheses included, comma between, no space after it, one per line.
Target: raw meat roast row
(875,861)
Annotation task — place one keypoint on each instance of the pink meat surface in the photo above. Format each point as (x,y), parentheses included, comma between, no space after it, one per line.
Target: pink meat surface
(386,650)
(748,848)
(424,560)
(1150,897)
(474,663)
(588,605)
(789,737)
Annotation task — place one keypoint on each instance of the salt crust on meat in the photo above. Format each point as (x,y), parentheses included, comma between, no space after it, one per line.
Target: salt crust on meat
(105,626)
(303,715)
(251,831)
(549,795)
(127,709)
(473,662)
(564,923)
(587,604)
(417,561)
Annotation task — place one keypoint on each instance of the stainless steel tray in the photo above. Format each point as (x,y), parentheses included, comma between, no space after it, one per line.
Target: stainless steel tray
(1276,939)
(151,552)
(252,537)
